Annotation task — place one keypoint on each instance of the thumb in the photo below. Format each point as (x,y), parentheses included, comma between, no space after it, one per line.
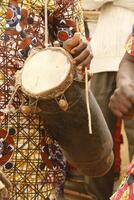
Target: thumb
(72,42)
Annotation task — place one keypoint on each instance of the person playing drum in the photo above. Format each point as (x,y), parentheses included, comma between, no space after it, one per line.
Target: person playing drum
(22,135)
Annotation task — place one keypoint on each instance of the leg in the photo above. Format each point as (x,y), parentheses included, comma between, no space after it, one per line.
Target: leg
(102,86)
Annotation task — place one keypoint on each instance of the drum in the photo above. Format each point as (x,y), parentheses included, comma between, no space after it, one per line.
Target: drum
(48,76)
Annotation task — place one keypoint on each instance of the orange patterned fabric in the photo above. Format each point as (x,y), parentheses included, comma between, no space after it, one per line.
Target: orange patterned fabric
(33,162)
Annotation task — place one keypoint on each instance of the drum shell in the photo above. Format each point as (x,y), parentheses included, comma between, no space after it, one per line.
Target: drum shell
(91,153)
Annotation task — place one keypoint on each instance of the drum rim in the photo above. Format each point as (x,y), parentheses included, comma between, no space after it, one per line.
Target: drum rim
(55,91)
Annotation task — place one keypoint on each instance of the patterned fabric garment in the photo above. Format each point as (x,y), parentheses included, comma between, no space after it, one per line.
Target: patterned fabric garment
(33,162)
(126,189)
(130,43)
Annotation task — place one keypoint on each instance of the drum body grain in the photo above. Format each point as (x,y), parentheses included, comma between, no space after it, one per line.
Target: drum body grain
(91,153)
(52,84)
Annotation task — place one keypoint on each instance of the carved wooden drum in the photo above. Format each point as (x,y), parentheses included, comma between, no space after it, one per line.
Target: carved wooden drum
(48,77)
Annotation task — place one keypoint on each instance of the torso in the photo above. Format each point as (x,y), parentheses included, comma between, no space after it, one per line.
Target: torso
(21,29)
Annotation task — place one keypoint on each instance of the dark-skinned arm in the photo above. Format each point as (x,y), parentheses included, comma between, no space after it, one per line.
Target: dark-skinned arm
(122,101)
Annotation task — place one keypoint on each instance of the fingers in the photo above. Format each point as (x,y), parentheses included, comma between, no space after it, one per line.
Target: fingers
(72,42)
(83,59)
(121,111)
(78,49)
(119,106)
(121,102)
(82,55)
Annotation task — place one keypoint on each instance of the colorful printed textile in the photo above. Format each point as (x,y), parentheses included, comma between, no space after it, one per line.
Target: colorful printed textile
(33,162)
(126,189)
(130,43)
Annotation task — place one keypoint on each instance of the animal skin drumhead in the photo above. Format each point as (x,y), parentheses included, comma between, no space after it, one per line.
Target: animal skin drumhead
(44,71)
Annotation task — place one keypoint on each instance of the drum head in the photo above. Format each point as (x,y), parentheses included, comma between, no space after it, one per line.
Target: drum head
(45,71)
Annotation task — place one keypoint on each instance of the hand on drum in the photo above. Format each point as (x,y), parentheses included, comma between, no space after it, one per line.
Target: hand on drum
(80,50)
(122,101)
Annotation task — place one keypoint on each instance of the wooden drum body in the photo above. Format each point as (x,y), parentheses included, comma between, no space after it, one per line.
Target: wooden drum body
(48,76)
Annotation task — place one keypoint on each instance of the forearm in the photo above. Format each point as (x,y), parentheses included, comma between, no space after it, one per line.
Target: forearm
(126,71)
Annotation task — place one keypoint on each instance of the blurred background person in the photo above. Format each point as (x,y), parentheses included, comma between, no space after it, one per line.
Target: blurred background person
(113,26)
(122,105)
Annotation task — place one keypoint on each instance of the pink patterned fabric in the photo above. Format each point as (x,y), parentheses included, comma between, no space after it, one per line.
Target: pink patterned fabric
(128,184)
